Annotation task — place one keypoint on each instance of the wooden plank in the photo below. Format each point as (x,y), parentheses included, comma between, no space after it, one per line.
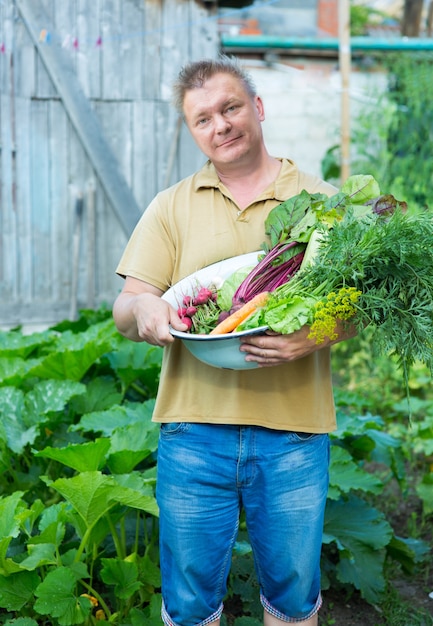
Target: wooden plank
(90,51)
(175,43)
(8,172)
(59,201)
(204,36)
(190,158)
(46,36)
(116,121)
(151,47)
(84,119)
(36,315)
(6,34)
(144,152)
(8,288)
(111,26)
(40,203)
(23,275)
(24,61)
(80,171)
(130,46)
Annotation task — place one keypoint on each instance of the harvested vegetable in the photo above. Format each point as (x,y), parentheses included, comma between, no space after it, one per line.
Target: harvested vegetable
(199,311)
(376,271)
(291,225)
(231,322)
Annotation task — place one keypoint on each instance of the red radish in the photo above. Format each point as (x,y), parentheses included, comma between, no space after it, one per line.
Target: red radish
(190,311)
(187,321)
(182,311)
(204,294)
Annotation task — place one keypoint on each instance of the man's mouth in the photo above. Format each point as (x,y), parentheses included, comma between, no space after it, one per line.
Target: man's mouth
(229,141)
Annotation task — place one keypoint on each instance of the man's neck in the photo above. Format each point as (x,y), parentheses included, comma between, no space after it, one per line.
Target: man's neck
(248,182)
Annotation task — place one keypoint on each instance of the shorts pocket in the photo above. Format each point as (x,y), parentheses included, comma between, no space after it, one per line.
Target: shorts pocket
(297,436)
(170,429)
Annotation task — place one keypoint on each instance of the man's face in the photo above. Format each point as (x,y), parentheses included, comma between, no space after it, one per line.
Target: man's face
(224,120)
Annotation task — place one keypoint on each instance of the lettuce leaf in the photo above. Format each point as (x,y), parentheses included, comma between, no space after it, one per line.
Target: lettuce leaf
(361,188)
(227,290)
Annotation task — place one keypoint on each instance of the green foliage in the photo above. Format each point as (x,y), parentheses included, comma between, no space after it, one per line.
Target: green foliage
(363,16)
(78,516)
(392,138)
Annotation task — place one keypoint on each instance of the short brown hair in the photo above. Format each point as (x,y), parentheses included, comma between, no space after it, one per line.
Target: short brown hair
(195,74)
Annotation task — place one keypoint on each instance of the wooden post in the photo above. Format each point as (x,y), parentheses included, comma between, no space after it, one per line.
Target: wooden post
(344,55)
(412,15)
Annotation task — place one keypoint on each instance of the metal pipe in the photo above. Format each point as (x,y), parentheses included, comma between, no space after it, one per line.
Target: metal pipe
(325,43)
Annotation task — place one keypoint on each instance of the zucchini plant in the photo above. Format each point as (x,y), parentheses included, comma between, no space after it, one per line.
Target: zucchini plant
(78,515)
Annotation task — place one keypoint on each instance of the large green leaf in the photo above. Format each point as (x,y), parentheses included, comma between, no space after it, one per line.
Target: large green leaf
(408,552)
(123,575)
(106,422)
(13,370)
(131,444)
(75,353)
(345,475)
(131,358)
(10,506)
(89,493)
(83,457)
(24,414)
(13,512)
(360,533)
(11,410)
(101,394)
(56,597)
(93,494)
(425,491)
(15,343)
(17,589)
(49,396)
(39,555)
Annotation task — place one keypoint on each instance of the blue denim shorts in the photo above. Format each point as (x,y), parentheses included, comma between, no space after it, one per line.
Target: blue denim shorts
(206,474)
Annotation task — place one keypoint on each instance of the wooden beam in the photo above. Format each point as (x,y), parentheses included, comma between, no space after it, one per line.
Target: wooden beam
(82,116)
(344,53)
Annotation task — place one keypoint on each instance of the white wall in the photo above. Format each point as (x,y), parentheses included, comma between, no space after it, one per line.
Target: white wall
(303,107)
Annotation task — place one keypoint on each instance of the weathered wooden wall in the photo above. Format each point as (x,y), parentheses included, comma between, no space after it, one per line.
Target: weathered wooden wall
(60,238)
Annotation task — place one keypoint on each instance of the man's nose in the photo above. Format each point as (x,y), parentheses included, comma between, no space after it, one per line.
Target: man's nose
(222,124)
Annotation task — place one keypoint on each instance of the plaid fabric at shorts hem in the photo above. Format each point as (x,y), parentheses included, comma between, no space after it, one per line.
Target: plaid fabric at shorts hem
(291,620)
(212,618)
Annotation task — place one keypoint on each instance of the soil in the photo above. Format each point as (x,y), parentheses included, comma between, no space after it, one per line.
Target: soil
(338,611)
(405,516)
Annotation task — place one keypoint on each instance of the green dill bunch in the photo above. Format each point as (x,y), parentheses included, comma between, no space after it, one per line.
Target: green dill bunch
(335,306)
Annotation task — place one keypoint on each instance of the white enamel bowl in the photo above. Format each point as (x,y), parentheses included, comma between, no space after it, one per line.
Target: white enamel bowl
(220,351)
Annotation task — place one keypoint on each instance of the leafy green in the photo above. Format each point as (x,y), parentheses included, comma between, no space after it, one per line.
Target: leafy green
(383,266)
(361,188)
(229,286)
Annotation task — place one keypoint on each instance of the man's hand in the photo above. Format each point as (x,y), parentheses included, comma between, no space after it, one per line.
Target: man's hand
(273,349)
(141,315)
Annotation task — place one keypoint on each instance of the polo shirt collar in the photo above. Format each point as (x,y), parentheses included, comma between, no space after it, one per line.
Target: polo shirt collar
(208,177)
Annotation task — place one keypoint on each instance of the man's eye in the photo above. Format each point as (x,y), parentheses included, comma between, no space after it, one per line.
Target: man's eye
(202,121)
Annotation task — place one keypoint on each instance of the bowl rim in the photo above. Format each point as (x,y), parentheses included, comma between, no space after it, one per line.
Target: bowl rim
(234,335)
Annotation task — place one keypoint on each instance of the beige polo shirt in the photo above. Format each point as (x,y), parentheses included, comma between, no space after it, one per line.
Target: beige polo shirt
(193,224)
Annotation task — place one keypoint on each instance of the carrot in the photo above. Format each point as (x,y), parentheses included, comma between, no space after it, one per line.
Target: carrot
(232,321)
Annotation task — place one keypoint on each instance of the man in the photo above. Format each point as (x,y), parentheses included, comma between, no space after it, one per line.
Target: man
(252,439)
